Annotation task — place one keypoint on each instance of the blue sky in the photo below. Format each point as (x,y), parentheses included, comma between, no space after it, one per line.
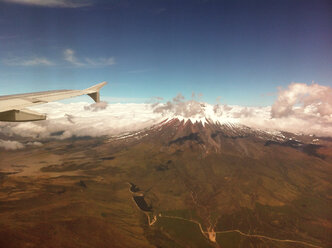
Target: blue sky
(240,51)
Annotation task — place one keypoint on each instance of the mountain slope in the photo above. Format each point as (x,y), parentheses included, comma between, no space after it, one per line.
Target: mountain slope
(176,184)
(237,178)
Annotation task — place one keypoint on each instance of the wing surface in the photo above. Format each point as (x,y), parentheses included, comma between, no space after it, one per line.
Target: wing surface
(12,106)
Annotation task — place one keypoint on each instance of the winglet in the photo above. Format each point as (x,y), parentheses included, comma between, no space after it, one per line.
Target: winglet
(93,91)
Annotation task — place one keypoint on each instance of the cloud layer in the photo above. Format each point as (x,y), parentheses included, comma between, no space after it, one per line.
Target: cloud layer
(11,145)
(300,108)
(36,61)
(53,3)
(83,119)
(69,56)
(16,145)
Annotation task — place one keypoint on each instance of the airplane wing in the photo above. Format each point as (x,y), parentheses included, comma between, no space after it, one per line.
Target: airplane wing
(12,106)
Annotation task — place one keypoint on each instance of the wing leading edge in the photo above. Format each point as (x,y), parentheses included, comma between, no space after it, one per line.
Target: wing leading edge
(12,106)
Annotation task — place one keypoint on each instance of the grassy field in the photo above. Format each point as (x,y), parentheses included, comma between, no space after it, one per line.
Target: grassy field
(185,233)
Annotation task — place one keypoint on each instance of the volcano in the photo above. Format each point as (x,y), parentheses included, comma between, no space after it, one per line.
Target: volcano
(210,136)
(240,183)
(180,183)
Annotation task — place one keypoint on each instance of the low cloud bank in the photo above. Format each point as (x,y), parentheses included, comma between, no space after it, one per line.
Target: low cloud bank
(16,145)
(300,108)
(11,145)
(83,119)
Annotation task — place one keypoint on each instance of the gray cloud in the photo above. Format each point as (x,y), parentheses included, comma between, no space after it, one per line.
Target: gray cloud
(96,106)
(219,109)
(244,112)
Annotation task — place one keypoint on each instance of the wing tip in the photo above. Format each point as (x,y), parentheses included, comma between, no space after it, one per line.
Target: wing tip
(97,87)
(93,91)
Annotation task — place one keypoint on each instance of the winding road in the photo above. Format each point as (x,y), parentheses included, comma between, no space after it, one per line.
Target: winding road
(206,234)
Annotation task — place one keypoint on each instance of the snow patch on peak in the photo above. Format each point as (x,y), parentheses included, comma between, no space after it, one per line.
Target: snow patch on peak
(196,112)
(84,119)
(254,117)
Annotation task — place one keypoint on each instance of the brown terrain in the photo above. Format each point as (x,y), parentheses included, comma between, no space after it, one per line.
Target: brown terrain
(177,184)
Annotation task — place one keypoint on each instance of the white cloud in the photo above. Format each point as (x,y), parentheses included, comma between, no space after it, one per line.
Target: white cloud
(84,119)
(10,145)
(100,61)
(303,100)
(69,56)
(16,145)
(36,61)
(179,107)
(34,143)
(126,99)
(54,3)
